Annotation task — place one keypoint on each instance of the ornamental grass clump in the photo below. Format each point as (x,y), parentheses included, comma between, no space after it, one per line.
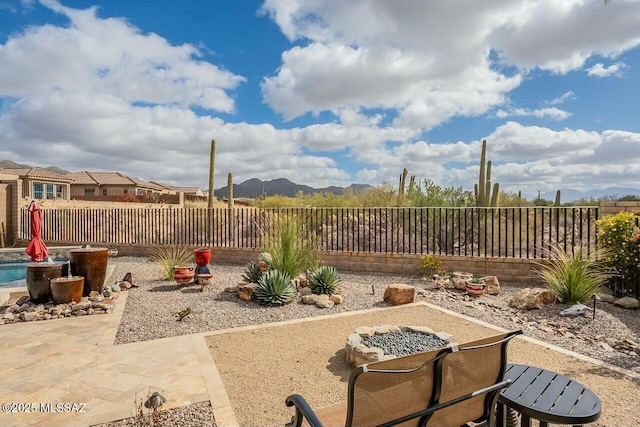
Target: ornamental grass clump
(291,247)
(170,256)
(275,288)
(574,277)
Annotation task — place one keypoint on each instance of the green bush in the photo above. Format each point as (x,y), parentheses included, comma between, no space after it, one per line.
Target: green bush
(616,234)
(275,288)
(290,244)
(171,256)
(325,280)
(252,273)
(574,277)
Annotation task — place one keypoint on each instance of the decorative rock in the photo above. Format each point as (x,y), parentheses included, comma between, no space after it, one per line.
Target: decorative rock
(336,298)
(124,284)
(325,304)
(39,308)
(607,298)
(12,308)
(246,291)
(627,302)
(22,300)
(106,292)
(82,305)
(365,331)
(492,285)
(604,291)
(421,329)
(106,304)
(309,299)
(95,296)
(528,298)
(46,316)
(305,291)
(399,294)
(575,310)
(80,312)
(9,316)
(116,288)
(30,316)
(322,297)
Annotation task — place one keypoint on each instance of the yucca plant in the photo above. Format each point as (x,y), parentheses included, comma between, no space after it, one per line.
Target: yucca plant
(275,288)
(171,256)
(574,277)
(292,249)
(252,273)
(325,280)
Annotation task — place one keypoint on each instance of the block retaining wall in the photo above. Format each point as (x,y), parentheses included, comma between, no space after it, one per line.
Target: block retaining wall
(506,269)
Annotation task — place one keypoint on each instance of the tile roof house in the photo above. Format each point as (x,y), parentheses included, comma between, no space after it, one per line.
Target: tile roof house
(40,183)
(110,186)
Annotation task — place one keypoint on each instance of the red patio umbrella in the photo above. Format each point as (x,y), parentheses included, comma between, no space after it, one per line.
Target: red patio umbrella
(37,250)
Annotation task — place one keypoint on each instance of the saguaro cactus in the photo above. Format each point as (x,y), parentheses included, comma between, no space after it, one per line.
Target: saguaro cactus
(403,177)
(230,190)
(557,201)
(483,192)
(212,165)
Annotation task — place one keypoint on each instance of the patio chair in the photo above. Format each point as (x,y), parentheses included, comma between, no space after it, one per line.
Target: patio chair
(446,387)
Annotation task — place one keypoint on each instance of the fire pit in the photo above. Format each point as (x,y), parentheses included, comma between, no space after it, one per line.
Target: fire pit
(373,344)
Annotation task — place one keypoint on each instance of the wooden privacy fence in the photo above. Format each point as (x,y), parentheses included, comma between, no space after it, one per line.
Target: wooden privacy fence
(486,232)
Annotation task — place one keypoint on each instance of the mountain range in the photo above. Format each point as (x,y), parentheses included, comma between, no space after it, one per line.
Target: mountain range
(254,187)
(569,195)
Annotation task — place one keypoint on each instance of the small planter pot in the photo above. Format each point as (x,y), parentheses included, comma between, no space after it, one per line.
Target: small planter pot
(475,289)
(67,289)
(202,256)
(442,281)
(183,274)
(204,279)
(460,279)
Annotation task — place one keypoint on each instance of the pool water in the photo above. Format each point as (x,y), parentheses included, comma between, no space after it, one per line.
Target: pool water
(13,271)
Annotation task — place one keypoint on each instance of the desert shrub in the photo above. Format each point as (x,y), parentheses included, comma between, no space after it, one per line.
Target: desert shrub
(275,288)
(170,256)
(291,246)
(617,234)
(252,273)
(325,280)
(430,265)
(574,277)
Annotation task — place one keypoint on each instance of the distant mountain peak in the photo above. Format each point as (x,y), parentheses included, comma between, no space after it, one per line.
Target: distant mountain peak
(254,187)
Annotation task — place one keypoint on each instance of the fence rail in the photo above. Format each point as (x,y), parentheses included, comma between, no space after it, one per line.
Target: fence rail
(489,232)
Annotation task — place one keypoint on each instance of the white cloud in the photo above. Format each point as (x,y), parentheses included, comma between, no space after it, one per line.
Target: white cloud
(428,61)
(551,113)
(567,96)
(599,70)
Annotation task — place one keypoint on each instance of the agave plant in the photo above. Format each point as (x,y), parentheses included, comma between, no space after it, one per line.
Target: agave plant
(275,288)
(324,280)
(252,273)
(169,256)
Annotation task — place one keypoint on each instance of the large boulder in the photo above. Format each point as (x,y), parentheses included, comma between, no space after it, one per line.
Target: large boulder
(492,285)
(627,302)
(399,294)
(528,298)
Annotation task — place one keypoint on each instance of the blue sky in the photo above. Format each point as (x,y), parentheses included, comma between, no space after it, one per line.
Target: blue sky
(326,92)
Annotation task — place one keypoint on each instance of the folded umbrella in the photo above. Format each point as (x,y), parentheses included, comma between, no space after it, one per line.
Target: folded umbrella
(37,250)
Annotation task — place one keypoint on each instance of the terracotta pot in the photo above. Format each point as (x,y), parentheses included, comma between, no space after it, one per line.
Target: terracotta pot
(183,274)
(205,279)
(202,255)
(67,289)
(38,276)
(475,289)
(90,263)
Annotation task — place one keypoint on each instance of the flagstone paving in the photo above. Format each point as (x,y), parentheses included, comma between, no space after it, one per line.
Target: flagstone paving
(73,361)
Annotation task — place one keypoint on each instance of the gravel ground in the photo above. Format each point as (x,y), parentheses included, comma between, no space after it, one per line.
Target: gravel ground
(151,313)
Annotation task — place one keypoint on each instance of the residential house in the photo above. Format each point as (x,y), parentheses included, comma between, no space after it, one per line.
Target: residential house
(111,186)
(39,183)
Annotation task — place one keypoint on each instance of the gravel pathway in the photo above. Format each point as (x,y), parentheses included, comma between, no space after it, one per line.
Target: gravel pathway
(150,313)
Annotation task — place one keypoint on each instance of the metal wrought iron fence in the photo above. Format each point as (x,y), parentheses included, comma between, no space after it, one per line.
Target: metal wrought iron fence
(514,232)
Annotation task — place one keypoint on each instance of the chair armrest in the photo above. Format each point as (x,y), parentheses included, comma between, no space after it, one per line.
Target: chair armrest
(302,410)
